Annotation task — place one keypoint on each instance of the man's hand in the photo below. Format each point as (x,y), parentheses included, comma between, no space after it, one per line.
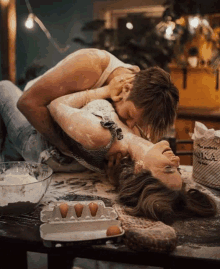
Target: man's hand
(116,85)
(113,161)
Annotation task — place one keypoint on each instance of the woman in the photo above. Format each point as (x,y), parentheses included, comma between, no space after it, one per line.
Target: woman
(148,181)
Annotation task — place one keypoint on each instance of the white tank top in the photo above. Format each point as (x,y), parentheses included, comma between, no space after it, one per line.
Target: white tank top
(113,64)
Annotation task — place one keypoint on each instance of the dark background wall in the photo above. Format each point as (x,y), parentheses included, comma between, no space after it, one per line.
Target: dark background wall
(63,19)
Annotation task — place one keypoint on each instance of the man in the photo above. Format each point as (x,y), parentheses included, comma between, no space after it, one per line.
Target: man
(145,98)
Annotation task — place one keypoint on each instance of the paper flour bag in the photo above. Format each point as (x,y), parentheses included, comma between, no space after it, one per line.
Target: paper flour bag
(206,156)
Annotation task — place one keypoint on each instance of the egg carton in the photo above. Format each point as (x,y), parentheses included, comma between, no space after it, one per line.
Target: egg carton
(51,213)
(71,230)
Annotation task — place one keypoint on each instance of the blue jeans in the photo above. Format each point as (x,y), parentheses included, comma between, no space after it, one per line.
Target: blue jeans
(18,138)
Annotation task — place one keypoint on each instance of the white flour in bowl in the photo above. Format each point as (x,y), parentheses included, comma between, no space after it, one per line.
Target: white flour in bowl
(13,178)
(14,187)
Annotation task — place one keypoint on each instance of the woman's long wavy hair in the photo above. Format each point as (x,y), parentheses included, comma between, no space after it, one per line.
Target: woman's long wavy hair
(145,195)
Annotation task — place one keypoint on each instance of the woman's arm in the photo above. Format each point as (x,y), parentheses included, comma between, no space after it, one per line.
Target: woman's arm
(112,90)
(80,99)
(80,125)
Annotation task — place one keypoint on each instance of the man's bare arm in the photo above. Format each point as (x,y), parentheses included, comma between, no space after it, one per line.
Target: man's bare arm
(76,100)
(78,72)
(44,122)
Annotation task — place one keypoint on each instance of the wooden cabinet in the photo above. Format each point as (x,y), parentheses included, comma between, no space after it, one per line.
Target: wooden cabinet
(183,129)
(198,87)
(199,101)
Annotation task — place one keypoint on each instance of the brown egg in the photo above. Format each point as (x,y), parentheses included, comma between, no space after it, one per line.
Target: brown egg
(78,209)
(113,230)
(63,209)
(93,207)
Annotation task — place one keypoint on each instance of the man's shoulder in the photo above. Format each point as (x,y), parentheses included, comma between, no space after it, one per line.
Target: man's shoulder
(89,57)
(91,52)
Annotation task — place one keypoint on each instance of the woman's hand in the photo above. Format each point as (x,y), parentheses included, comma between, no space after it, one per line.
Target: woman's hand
(116,85)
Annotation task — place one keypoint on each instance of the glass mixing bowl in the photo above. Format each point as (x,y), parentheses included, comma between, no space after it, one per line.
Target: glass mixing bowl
(22,197)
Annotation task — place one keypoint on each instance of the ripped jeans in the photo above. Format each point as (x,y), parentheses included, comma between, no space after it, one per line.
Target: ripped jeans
(18,138)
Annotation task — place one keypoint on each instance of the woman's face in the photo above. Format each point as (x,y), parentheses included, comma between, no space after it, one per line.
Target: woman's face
(163,164)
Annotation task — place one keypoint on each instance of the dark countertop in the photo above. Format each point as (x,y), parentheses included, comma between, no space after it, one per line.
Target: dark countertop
(20,234)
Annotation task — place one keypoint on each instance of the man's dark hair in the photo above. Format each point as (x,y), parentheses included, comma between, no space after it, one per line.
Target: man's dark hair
(154,91)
